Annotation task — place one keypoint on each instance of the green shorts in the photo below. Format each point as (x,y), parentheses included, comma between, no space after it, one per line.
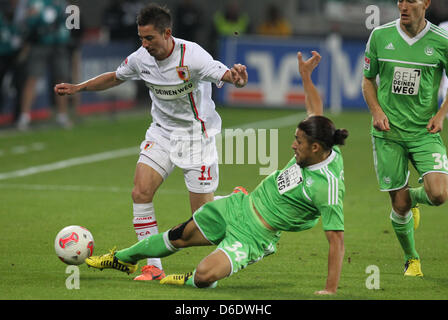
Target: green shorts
(391,159)
(233,226)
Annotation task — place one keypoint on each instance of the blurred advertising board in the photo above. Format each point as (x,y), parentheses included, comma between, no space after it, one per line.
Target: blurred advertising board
(274,80)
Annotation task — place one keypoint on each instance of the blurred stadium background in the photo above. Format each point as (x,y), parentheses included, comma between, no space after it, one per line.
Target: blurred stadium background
(107,34)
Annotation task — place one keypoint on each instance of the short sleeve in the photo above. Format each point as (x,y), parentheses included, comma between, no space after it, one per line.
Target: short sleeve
(444,25)
(127,70)
(332,217)
(370,58)
(207,68)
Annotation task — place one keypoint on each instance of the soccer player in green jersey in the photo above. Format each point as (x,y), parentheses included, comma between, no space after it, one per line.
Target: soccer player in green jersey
(409,56)
(246,227)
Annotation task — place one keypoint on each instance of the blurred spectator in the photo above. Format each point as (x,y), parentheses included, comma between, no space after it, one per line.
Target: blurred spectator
(188,19)
(274,24)
(119,20)
(119,25)
(437,11)
(231,22)
(10,49)
(48,39)
(74,49)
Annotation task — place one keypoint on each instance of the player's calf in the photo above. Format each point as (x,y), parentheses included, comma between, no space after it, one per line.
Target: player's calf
(204,278)
(212,268)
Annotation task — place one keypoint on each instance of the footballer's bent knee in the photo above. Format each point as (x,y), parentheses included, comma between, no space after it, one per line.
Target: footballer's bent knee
(177,232)
(142,195)
(438,198)
(204,277)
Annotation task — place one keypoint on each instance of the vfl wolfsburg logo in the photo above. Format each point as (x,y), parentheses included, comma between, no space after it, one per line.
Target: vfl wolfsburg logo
(429,51)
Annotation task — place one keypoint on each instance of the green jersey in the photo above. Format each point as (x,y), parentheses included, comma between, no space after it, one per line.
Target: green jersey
(46,24)
(410,70)
(294,198)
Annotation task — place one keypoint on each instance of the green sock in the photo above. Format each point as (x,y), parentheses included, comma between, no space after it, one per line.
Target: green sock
(155,246)
(190,281)
(418,195)
(404,230)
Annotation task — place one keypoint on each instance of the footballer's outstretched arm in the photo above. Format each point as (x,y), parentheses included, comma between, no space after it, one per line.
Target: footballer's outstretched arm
(102,82)
(313,101)
(336,253)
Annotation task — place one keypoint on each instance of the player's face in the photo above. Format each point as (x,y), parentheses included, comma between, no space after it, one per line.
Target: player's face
(412,11)
(302,149)
(157,44)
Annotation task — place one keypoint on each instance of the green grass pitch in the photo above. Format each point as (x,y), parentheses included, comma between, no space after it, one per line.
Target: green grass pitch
(33,208)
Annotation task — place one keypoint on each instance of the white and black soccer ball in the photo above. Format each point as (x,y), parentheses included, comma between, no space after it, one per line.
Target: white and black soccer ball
(74,244)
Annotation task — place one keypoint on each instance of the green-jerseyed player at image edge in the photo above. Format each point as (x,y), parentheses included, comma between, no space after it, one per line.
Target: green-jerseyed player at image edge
(246,227)
(409,56)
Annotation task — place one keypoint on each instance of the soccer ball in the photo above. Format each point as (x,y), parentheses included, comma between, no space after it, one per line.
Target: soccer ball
(74,244)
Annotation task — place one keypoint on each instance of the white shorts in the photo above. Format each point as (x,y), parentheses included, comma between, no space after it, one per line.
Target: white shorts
(198,159)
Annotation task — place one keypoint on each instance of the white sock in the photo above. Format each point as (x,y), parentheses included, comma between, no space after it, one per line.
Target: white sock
(399,218)
(145,224)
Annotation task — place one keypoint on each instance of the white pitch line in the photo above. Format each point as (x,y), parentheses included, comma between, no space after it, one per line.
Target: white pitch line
(276,123)
(70,163)
(77,188)
(119,153)
(43,187)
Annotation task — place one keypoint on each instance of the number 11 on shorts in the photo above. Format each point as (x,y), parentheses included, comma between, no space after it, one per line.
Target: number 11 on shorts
(203,177)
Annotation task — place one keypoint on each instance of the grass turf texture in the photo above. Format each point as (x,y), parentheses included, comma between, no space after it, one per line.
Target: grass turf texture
(97,195)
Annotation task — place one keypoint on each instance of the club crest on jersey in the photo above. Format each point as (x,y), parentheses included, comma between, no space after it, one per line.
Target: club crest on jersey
(429,51)
(148,145)
(183,73)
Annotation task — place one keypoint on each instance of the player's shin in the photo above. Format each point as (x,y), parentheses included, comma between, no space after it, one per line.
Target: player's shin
(155,246)
(404,230)
(145,224)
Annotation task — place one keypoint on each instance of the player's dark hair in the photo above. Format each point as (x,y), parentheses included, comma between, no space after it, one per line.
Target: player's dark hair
(320,129)
(156,15)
